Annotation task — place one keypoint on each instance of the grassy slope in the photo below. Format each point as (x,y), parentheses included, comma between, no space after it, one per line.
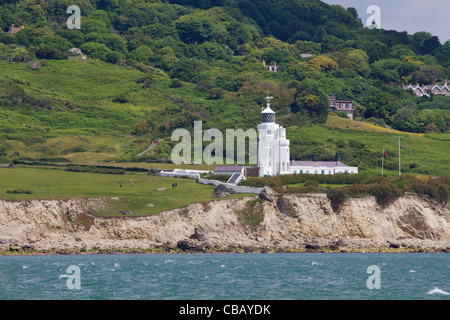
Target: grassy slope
(98,128)
(429,152)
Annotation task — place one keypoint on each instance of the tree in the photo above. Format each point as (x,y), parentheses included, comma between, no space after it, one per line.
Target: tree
(238,33)
(443,53)
(50,50)
(141,54)
(187,68)
(193,29)
(377,51)
(114,42)
(404,120)
(322,64)
(215,93)
(360,61)
(211,51)
(429,46)
(95,50)
(311,101)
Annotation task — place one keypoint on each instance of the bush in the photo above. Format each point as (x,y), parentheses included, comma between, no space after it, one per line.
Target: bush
(75,149)
(121,98)
(33,140)
(145,80)
(342,114)
(176,83)
(19,191)
(438,188)
(337,196)
(385,192)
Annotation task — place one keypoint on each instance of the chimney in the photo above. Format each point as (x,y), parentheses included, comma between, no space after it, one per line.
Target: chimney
(336,157)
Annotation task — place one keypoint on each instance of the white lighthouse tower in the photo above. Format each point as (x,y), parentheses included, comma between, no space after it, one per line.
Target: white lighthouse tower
(273,147)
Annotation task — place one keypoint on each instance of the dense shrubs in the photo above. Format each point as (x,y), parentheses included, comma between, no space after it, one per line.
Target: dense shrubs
(94,169)
(385,192)
(384,189)
(33,140)
(303,178)
(437,188)
(337,197)
(19,191)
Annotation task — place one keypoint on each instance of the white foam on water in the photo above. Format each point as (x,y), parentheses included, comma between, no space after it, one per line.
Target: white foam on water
(412,271)
(437,290)
(116,265)
(25,267)
(314,263)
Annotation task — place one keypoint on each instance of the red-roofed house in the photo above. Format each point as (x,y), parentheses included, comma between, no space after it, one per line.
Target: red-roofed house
(14,30)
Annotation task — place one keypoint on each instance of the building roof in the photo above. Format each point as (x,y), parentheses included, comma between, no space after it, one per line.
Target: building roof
(228,168)
(267,110)
(328,164)
(234,178)
(14,30)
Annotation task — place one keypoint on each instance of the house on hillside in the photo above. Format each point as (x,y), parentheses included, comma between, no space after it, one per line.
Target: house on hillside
(272,67)
(14,30)
(346,106)
(426,90)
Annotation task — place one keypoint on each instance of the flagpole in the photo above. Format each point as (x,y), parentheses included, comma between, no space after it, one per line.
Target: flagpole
(382,163)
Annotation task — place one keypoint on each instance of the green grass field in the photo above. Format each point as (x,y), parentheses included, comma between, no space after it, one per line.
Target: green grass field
(60,184)
(88,125)
(361,144)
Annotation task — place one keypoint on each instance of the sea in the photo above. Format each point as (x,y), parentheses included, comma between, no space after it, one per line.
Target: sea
(252,276)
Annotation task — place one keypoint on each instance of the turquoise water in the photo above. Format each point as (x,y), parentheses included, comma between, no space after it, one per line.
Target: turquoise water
(225,277)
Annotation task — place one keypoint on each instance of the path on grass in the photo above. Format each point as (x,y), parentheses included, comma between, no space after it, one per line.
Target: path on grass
(151,147)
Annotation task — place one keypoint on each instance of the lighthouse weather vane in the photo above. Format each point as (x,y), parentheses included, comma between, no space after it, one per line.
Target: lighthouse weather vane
(268,99)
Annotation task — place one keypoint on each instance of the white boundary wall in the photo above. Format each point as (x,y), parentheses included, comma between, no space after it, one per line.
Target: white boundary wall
(237,189)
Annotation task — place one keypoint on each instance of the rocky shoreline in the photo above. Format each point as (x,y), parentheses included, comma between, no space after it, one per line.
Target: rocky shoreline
(268,223)
(194,248)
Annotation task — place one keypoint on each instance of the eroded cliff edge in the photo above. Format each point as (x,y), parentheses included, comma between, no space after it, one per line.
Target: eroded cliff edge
(287,222)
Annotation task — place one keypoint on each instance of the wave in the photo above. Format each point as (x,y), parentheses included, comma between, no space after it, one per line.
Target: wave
(437,290)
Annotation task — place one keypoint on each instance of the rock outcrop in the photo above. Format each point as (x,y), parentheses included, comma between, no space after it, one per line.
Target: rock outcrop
(291,222)
(222,191)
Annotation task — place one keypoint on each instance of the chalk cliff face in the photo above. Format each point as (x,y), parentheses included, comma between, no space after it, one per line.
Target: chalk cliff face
(289,222)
